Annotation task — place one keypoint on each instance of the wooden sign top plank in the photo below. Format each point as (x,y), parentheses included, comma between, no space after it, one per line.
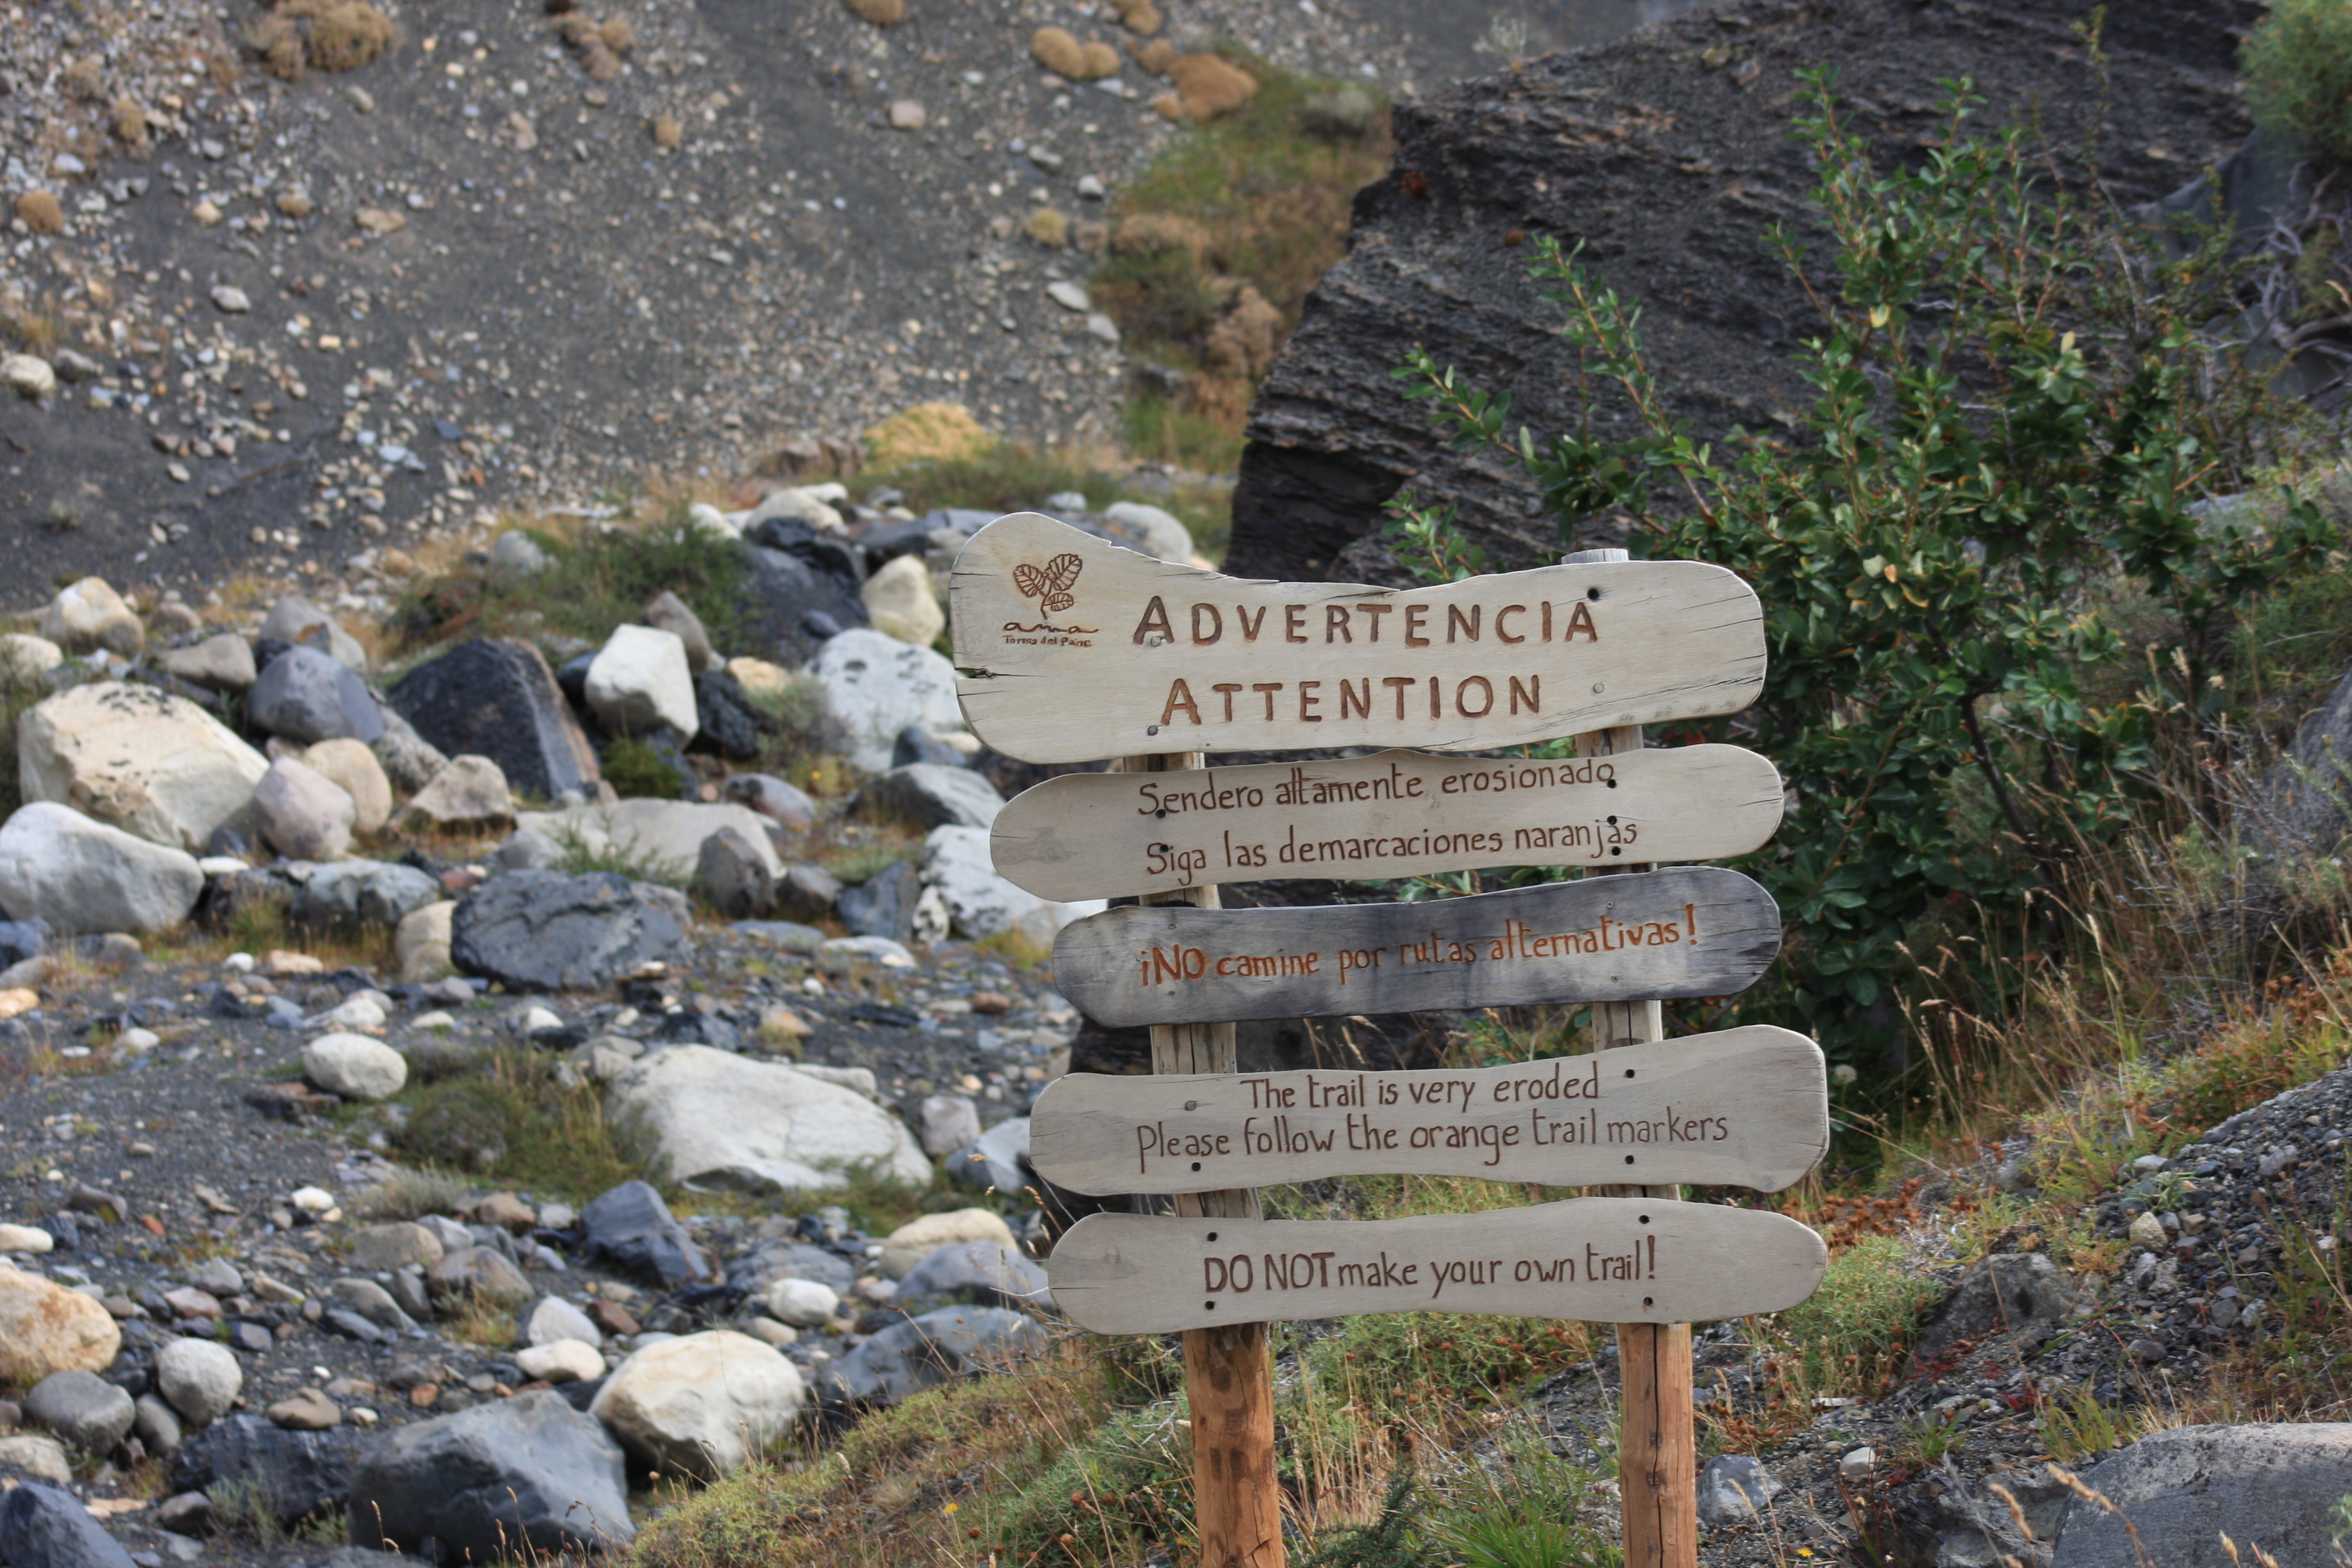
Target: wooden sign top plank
(1393,814)
(1747,1106)
(1688,930)
(1069,647)
(1618,1260)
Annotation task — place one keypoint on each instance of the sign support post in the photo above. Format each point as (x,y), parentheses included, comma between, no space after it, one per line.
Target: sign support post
(1657,1456)
(1228,1369)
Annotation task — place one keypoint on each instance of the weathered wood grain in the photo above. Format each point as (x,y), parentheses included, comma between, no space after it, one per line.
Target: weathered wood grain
(1600,1259)
(1393,814)
(1745,1108)
(1069,647)
(1691,931)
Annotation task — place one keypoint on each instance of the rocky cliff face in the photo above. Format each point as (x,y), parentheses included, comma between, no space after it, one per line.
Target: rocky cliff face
(1666,156)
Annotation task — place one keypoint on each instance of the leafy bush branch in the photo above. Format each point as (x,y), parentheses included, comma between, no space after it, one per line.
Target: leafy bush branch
(1983,451)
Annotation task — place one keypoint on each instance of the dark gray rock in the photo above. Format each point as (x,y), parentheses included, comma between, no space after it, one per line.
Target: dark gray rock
(2308,800)
(1734,1489)
(631,1226)
(772,798)
(807,893)
(1565,146)
(2274,1486)
(732,878)
(985,1273)
(356,895)
(916,744)
(544,930)
(81,1407)
(997,1160)
(930,795)
(21,939)
(486,1482)
(44,1527)
(361,1557)
(730,725)
(800,1260)
(2018,1294)
(883,904)
(802,594)
(922,1353)
(309,696)
(245,1460)
(496,698)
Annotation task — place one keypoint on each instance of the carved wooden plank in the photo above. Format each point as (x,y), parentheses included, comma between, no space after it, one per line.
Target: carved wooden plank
(1394,814)
(1746,1108)
(1600,1259)
(1070,647)
(1691,931)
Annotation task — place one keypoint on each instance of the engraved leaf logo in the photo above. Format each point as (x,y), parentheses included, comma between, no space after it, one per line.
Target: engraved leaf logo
(1050,584)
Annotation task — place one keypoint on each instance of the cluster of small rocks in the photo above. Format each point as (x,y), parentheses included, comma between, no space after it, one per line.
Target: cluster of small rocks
(759,1027)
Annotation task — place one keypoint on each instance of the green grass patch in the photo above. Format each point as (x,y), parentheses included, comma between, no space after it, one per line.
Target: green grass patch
(1851,1331)
(514,1123)
(593,582)
(1427,1364)
(1216,244)
(1007,477)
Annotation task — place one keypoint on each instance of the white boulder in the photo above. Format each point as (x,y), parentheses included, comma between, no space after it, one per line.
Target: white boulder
(875,686)
(556,1318)
(803,1304)
(982,904)
(23,656)
(85,877)
(898,600)
(138,759)
(701,1404)
(726,1121)
(354,1066)
(642,681)
(199,1378)
(91,615)
(1161,534)
(562,1360)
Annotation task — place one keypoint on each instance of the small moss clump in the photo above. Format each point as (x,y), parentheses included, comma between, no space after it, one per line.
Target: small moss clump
(2298,64)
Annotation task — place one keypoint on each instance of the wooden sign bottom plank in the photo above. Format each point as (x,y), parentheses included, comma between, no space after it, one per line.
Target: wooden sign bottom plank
(1746,1107)
(1625,1260)
(1691,931)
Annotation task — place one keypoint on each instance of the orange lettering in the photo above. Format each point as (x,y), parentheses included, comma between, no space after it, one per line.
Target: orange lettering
(1216,623)
(1533,693)
(1579,617)
(1508,610)
(1456,621)
(1413,616)
(1483,684)
(1228,688)
(1352,703)
(1403,683)
(1376,612)
(1250,628)
(1155,620)
(1306,703)
(1294,617)
(1179,697)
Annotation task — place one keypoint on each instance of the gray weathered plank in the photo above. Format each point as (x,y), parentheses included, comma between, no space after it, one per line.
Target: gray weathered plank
(1070,647)
(1393,814)
(1691,931)
(1746,1108)
(1626,1261)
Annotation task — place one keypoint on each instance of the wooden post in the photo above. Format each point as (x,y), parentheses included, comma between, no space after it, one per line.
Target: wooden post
(1657,1458)
(1228,1369)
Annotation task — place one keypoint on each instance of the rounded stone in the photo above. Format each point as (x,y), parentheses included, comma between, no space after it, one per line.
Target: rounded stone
(200,1379)
(354,1066)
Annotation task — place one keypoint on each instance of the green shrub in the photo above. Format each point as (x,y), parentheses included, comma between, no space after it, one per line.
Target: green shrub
(1851,1331)
(634,768)
(1924,547)
(591,585)
(516,1122)
(1396,1363)
(1116,1492)
(2298,64)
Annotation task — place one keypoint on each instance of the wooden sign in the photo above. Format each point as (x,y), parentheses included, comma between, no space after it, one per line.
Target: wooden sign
(1394,814)
(1691,931)
(1646,1261)
(1069,647)
(1747,1108)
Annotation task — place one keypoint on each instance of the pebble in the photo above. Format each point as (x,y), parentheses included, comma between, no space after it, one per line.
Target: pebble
(230,300)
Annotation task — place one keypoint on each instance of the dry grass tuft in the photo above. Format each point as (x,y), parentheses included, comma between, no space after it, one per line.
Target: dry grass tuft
(927,433)
(318,35)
